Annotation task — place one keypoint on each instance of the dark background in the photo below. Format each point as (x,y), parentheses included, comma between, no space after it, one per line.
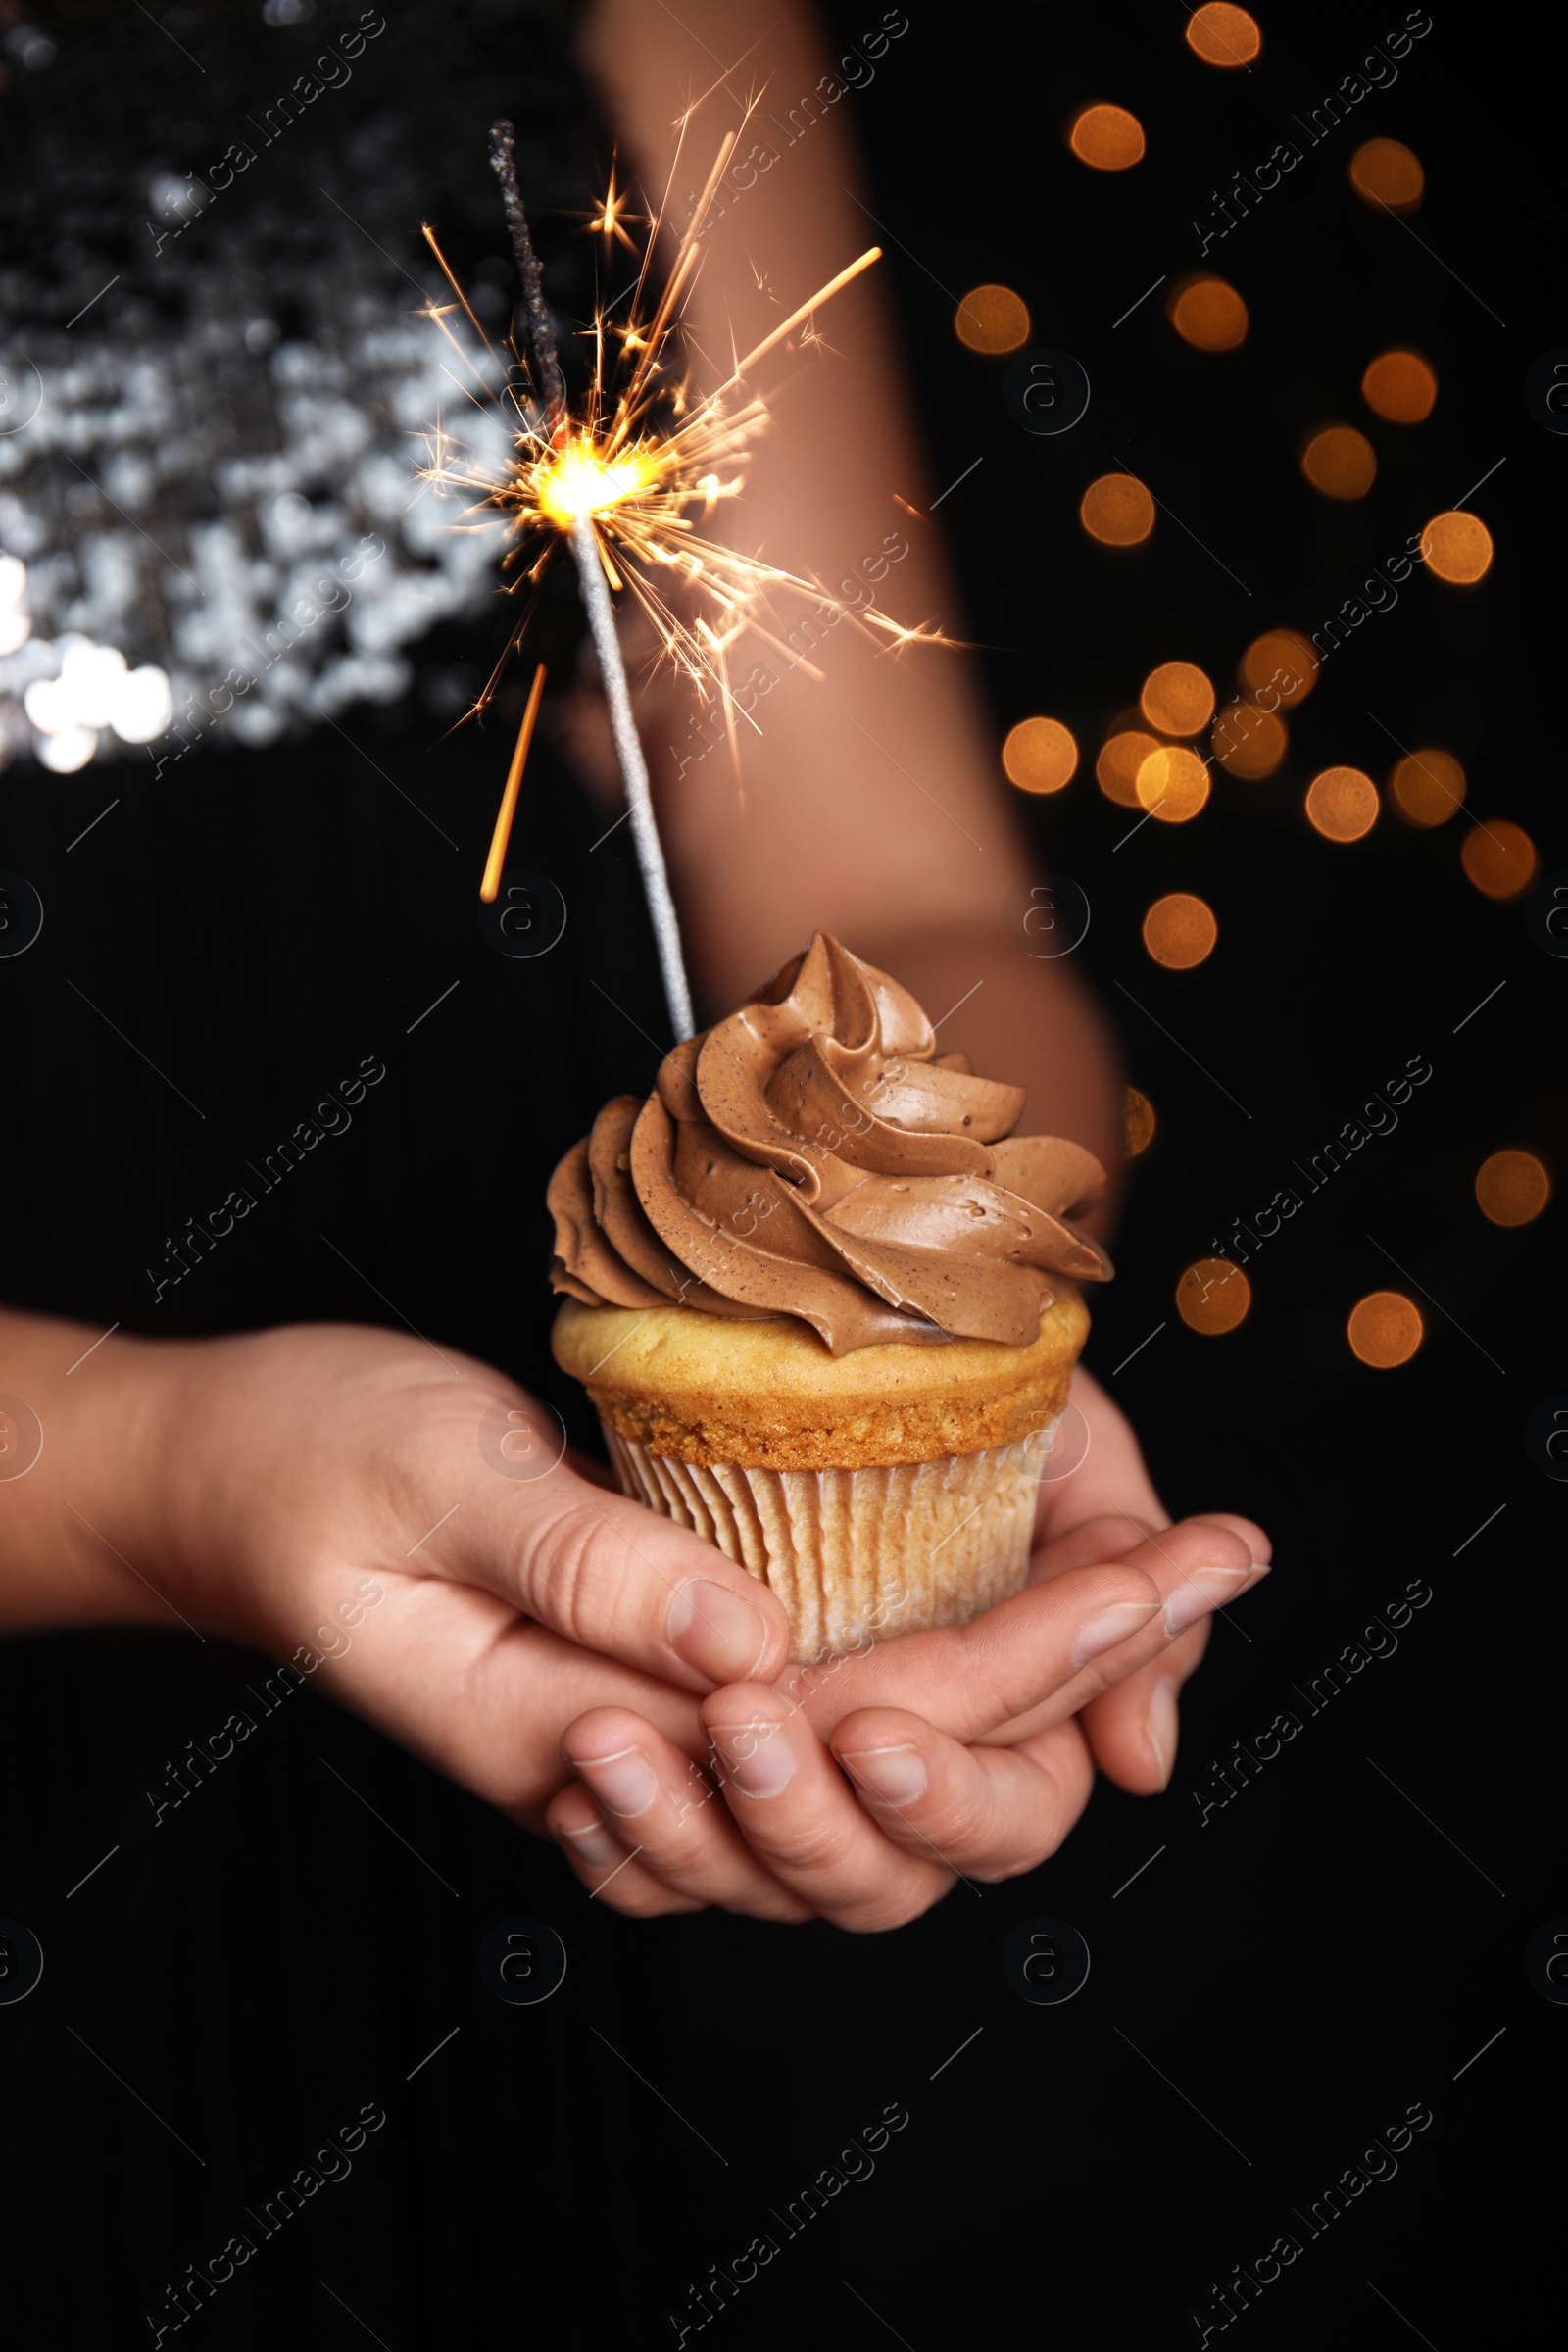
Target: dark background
(1285,1978)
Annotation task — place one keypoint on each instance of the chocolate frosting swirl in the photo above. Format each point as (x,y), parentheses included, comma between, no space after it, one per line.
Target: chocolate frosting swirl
(815,1156)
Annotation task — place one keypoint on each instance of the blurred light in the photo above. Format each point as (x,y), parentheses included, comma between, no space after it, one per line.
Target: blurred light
(179,200)
(1512,1188)
(13,582)
(1039,755)
(15,630)
(45,708)
(1209,313)
(1180,931)
(90,676)
(992,318)
(1137,1121)
(1119,761)
(1117,510)
(1400,386)
(1213,1295)
(1428,787)
(1222,35)
(143,705)
(1499,859)
(1384,1329)
(1385,173)
(1456,547)
(1340,462)
(1177,699)
(1283,662)
(1172,784)
(34,48)
(1107,138)
(1342,803)
(1250,743)
(66,751)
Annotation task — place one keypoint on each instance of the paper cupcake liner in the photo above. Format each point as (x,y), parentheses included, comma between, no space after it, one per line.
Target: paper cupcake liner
(856,1556)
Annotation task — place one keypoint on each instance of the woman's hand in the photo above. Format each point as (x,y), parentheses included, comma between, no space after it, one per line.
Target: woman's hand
(350,1500)
(971,1751)
(965,1750)
(1107,1509)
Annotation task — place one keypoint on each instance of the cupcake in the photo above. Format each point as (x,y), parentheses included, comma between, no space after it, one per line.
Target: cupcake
(826,1301)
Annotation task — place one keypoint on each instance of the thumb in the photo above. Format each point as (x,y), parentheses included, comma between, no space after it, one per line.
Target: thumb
(615,1577)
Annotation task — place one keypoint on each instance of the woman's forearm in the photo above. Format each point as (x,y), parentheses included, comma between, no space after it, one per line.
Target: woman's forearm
(871,803)
(870,787)
(84,1465)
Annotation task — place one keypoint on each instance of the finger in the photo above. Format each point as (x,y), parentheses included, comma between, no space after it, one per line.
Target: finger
(456,1675)
(1133,1728)
(801,1820)
(987,1812)
(1041,1656)
(1111,1535)
(612,1872)
(1111,1477)
(670,1816)
(612,1577)
(1197,1567)
(1108,1536)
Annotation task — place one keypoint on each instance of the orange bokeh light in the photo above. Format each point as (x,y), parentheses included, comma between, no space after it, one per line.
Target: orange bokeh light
(1121,756)
(1172,784)
(1457,547)
(1386,172)
(1213,1295)
(1117,510)
(1177,699)
(1399,386)
(1340,462)
(1137,1121)
(1342,803)
(992,319)
(1499,859)
(1040,755)
(1384,1329)
(1209,313)
(1428,787)
(1107,138)
(1222,35)
(1250,743)
(1512,1188)
(1180,930)
(1283,662)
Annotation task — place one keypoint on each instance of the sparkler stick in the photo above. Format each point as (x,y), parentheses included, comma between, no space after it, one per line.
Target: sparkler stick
(601,620)
(634,774)
(552,384)
(509,798)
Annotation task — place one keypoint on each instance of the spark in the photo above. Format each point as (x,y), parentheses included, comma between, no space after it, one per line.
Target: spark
(609,221)
(497,858)
(646,462)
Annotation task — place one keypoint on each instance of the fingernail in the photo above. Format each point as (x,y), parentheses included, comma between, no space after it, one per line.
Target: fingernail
(1161,1726)
(716,1630)
(757,1756)
(593,1844)
(1205,1590)
(626,1783)
(894,1776)
(1115,1624)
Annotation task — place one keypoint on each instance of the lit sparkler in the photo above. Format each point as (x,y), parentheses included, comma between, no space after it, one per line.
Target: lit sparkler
(626,483)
